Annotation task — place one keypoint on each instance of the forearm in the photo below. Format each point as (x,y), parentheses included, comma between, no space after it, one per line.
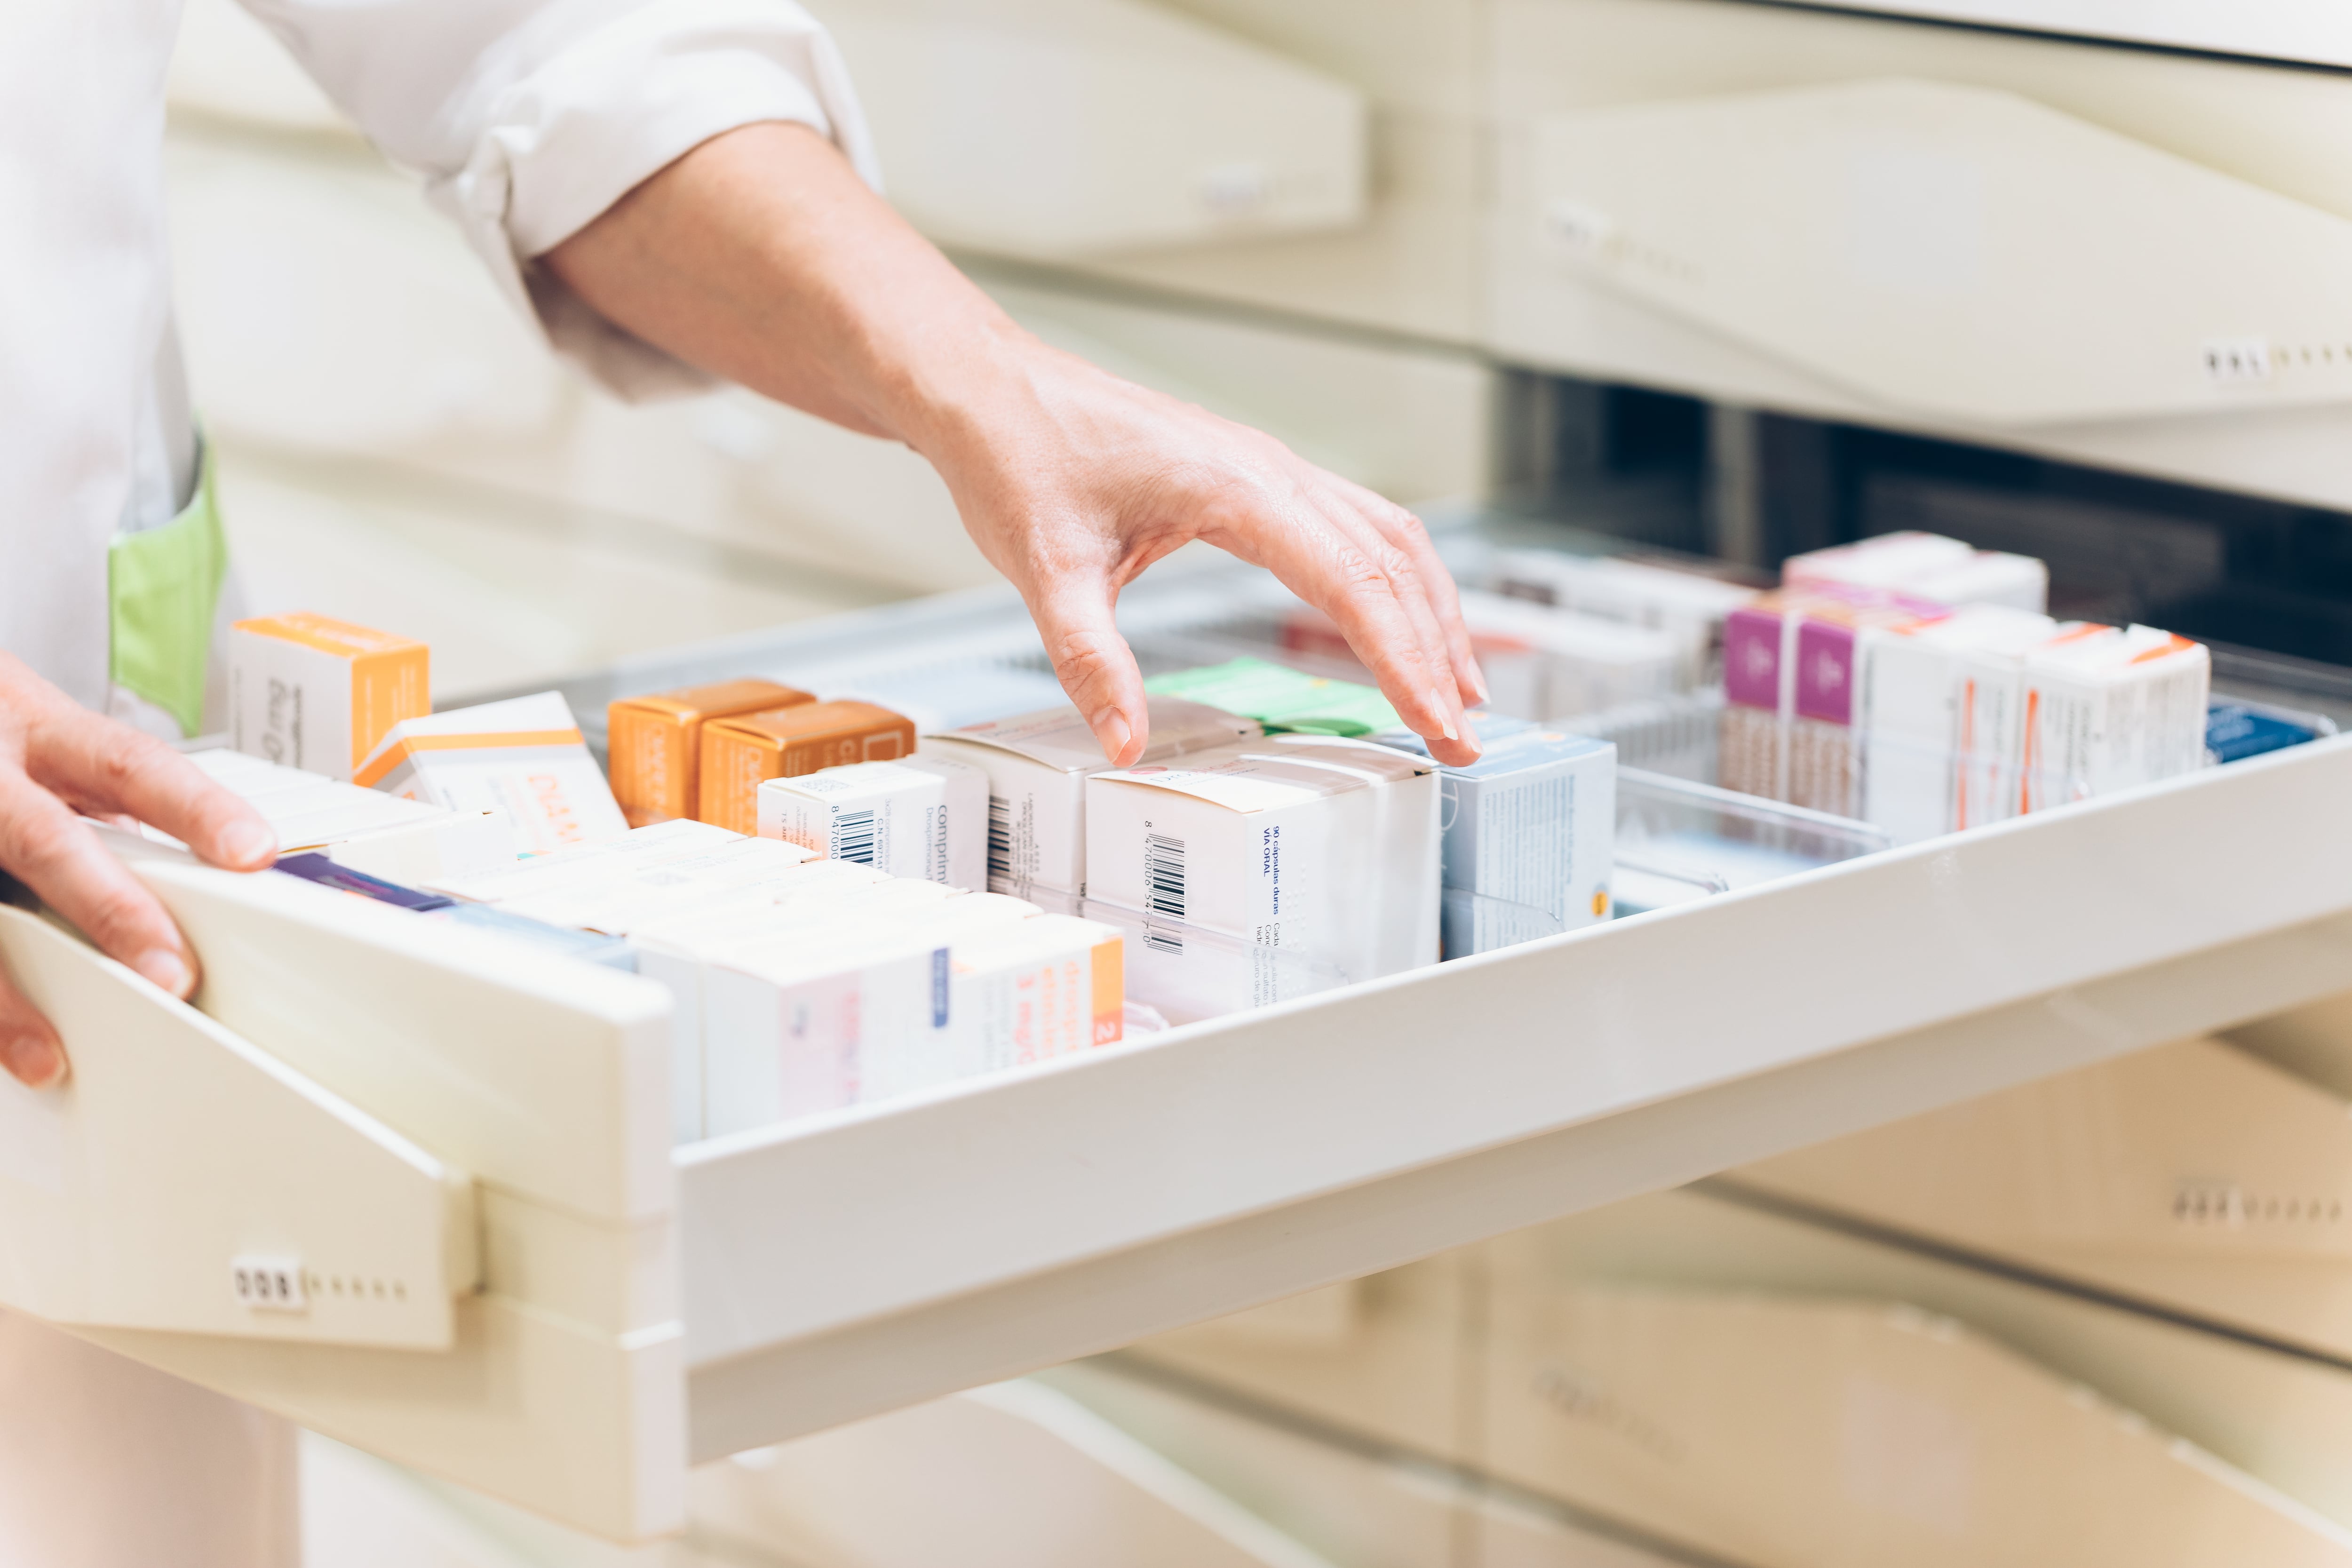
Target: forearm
(762,257)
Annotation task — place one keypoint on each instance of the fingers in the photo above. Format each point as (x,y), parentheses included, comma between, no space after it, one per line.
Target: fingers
(1405,533)
(29,1050)
(108,769)
(1092,662)
(1345,567)
(55,854)
(1403,584)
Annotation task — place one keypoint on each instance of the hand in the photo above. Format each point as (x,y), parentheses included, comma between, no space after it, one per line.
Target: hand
(761,257)
(1072,481)
(58,758)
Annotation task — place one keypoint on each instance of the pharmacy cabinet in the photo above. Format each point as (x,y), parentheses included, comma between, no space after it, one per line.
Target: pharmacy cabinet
(1859,1393)
(2195,1177)
(587,1311)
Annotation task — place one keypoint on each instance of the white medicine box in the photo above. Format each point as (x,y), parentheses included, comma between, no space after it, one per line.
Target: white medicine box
(925,817)
(1246,862)
(1036,765)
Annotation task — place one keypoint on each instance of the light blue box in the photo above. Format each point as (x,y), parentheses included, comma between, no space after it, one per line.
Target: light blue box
(1531,834)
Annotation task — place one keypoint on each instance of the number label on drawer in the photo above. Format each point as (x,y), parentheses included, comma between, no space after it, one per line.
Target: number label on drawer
(268,1284)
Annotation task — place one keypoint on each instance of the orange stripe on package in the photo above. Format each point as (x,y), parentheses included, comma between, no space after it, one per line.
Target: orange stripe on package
(2122,707)
(307,692)
(524,757)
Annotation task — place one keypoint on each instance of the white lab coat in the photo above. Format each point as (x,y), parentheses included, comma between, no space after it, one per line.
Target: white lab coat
(527,119)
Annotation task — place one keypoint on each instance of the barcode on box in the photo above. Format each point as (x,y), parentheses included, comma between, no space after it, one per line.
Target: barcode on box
(853,836)
(273,1284)
(1000,837)
(1163,875)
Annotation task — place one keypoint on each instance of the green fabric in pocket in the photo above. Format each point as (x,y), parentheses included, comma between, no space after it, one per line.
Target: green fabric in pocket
(162,587)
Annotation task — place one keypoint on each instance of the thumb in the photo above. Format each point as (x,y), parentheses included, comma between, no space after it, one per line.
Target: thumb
(1094,663)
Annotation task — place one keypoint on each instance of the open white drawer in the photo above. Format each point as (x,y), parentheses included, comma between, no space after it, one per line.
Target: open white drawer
(375,1096)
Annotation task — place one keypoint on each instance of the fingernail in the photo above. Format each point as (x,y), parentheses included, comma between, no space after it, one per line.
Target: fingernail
(1478,685)
(1470,736)
(166,970)
(34,1062)
(1437,706)
(248,843)
(1111,729)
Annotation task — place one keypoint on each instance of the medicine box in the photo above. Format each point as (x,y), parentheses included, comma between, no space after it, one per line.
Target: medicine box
(1941,710)
(1687,604)
(524,756)
(2111,707)
(1034,990)
(653,742)
(740,752)
(402,841)
(796,1026)
(1539,662)
(874,1004)
(1281,700)
(1561,663)
(321,694)
(1789,665)
(1036,765)
(1927,566)
(925,817)
(1317,848)
(1531,833)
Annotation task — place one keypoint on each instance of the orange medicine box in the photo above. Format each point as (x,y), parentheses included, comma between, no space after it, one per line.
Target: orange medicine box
(307,692)
(655,741)
(786,743)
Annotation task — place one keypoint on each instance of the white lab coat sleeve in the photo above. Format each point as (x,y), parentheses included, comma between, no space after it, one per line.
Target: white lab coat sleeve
(529,118)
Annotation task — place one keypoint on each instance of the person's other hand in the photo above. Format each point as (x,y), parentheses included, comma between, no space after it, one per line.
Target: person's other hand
(1072,481)
(57,758)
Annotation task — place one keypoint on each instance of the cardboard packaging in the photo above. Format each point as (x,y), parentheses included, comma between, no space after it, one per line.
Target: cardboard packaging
(402,841)
(2109,708)
(1284,850)
(1789,682)
(524,756)
(583,863)
(925,817)
(796,1023)
(798,1026)
(750,871)
(1531,833)
(1281,700)
(1032,991)
(1573,663)
(1540,662)
(1036,765)
(1686,605)
(740,752)
(939,698)
(677,945)
(1941,715)
(321,694)
(1927,566)
(653,742)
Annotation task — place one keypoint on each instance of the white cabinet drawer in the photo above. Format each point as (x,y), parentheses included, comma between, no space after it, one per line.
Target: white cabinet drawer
(641,1308)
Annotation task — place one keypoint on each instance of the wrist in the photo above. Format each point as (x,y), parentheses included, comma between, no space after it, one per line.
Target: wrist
(968,397)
